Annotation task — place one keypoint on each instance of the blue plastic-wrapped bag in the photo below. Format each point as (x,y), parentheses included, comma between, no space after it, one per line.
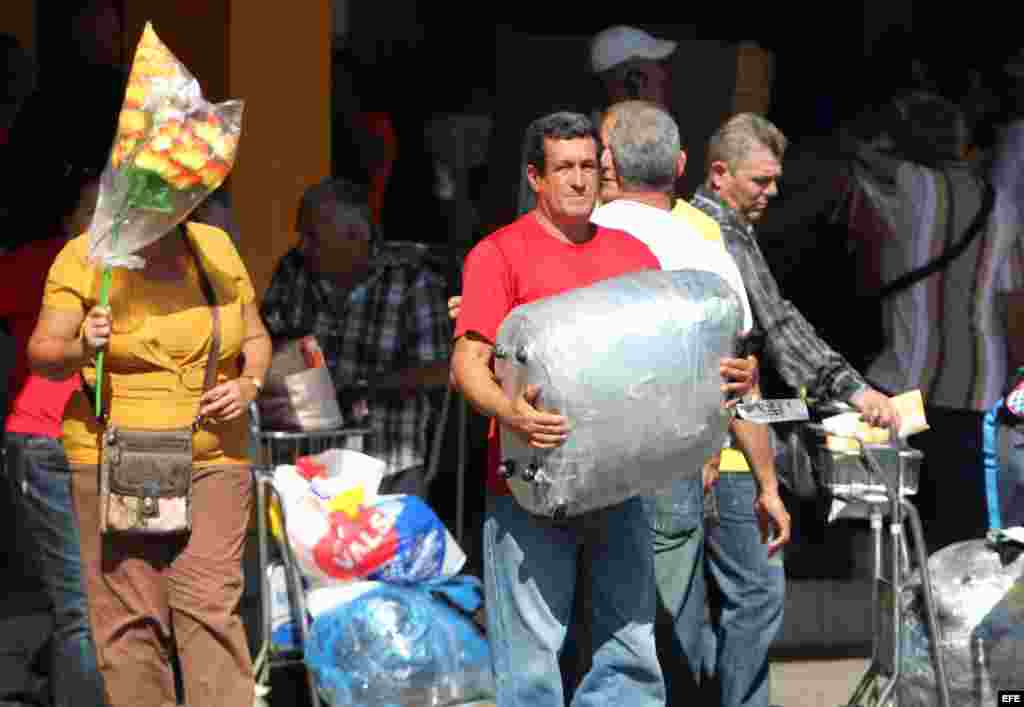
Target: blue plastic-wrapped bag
(403,645)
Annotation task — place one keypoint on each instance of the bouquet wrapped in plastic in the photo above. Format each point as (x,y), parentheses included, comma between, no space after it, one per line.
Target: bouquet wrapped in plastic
(171,150)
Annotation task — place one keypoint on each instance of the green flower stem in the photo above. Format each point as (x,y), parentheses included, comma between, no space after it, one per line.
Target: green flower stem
(108,276)
(146,190)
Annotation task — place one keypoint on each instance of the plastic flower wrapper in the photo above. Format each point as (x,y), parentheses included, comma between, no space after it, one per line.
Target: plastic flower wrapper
(171,150)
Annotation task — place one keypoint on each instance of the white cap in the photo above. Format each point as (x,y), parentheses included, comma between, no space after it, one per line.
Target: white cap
(612,46)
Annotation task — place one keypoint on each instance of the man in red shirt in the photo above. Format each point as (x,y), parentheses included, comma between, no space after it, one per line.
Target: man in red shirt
(529,564)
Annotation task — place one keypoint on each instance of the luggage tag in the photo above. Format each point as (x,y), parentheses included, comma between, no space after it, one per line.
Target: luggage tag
(766,412)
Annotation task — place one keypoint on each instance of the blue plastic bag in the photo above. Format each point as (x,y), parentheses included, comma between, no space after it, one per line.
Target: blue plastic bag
(403,645)
(1003,463)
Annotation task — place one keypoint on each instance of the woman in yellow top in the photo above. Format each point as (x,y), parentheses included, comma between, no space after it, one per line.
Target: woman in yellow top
(149,595)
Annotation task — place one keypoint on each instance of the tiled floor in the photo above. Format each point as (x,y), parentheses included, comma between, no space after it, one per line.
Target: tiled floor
(815,683)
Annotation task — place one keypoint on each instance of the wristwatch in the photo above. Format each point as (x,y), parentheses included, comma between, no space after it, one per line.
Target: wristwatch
(256,382)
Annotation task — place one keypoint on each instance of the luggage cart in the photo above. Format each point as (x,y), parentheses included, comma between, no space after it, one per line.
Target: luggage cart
(273,448)
(877,479)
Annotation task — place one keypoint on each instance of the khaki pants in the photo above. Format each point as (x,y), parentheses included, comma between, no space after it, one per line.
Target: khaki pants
(148,596)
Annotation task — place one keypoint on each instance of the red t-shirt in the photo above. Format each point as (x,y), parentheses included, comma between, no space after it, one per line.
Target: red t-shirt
(37,403)
(522,263)
(378,125)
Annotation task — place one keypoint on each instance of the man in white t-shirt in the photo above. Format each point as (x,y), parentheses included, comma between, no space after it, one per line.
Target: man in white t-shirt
(642,150)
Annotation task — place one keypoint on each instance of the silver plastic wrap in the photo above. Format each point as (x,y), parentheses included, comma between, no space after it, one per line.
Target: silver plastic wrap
(632,362)
(979,597)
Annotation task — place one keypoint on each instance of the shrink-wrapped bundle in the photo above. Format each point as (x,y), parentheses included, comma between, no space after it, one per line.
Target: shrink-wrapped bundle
(979,596)
(632,362)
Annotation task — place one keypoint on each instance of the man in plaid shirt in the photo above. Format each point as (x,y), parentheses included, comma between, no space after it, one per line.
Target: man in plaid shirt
(381,321)
(748,585)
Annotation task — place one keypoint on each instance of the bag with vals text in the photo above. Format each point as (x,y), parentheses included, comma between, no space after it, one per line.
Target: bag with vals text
(391,538)
(397,539)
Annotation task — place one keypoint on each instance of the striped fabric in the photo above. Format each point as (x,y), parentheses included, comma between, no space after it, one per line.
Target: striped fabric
(945,335)
(791,343)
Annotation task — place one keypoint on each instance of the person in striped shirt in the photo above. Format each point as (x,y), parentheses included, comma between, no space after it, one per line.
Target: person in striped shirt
(915,195)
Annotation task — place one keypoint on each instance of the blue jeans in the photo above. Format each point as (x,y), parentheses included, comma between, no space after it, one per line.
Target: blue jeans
(676,518)
(747,591)
(40,480)
(529,579)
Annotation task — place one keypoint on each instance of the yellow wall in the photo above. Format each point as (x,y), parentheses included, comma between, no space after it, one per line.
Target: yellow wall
(279,62)
(19,18)
(195,30)
(276,56)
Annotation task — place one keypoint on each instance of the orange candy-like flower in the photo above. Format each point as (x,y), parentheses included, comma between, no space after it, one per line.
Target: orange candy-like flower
(153,134)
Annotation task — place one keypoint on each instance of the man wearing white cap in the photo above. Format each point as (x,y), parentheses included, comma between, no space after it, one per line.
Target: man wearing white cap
(747,578)
(631,64)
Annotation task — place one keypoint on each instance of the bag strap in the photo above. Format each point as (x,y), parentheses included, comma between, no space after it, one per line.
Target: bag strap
(211,297)
(953,251)
(211,360)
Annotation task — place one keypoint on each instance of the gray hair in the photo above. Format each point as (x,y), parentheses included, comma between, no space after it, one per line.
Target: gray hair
(732,142)
(644,140)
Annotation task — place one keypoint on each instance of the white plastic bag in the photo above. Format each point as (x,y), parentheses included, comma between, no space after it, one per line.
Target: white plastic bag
(335,470)
(391,538)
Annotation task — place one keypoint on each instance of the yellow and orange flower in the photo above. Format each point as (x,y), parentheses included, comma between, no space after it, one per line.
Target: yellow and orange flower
(186,150)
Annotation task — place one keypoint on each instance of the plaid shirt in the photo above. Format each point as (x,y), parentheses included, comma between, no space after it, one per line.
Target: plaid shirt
(396,318)
(799,355)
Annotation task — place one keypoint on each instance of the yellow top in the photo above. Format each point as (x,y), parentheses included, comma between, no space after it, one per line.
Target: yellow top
(156,358)
(708,228)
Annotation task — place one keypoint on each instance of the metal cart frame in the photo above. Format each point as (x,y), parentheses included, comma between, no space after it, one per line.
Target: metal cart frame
(273,448)
(886,495)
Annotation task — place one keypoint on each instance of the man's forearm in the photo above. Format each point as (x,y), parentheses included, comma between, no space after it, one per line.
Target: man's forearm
(804,358)
(481,390)
(753,440)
